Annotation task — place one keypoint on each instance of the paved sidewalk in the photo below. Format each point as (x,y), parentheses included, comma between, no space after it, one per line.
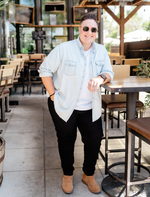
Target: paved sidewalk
(32,165)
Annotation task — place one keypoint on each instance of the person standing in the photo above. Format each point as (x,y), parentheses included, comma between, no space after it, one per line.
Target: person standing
(72,74)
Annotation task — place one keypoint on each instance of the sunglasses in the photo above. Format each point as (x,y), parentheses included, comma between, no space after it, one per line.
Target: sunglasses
(86,29)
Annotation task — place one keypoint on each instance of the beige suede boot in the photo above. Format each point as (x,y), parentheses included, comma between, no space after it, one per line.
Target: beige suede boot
(91,183)
(67,184)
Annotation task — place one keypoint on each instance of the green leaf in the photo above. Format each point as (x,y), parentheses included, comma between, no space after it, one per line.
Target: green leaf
(143,68)
(3,4)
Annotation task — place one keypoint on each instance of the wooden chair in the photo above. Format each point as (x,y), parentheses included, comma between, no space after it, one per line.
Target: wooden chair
(20,77)
(139,127)
(116,102)
(34,62)
(118,58)
(9,72)
(121,71)
(5,77)
(15,66)
(19,61)
(132,62)
(24,56)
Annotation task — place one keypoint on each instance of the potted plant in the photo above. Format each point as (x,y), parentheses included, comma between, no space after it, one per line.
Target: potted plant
(143,69)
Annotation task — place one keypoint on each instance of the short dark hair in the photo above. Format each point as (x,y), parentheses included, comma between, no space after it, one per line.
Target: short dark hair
(89,15)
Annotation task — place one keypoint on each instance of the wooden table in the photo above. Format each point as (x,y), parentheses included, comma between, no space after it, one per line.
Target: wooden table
(130,86)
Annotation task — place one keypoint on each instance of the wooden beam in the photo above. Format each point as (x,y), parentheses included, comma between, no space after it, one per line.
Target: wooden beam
(92,4)
(121,30)
(82,2)
(115,3)
(111,14)
(132,13)
(67,25)
(136,2)
(109,2)
(144,3)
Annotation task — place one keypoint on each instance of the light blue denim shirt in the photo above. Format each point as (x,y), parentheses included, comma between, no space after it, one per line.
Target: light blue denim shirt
(67,65)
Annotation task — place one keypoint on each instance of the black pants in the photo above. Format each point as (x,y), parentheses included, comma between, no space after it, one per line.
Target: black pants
(91,133)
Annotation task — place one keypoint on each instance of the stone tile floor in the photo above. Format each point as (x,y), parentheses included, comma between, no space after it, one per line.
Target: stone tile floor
(32,165)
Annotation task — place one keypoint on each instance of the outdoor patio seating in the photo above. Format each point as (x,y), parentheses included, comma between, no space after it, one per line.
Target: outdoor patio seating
(115,102)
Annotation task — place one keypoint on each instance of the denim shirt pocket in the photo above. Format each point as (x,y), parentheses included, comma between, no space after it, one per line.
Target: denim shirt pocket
(70,67)
(99,64)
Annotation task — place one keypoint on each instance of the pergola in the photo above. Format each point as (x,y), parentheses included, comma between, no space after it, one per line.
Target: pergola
(122,20)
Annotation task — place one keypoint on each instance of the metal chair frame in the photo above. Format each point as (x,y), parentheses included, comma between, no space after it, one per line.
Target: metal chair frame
(106,138)
(128,181)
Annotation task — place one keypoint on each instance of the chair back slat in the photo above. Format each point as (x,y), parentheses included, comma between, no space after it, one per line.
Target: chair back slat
(121,71)
(24,56)
(36,56)
(14,66)
(8,72)
(131,62)
(20,63)
(118,58)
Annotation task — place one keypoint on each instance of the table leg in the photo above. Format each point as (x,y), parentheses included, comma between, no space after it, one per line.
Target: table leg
(23,81)
(131,110)
(129,164)
(29,85)
(111,186)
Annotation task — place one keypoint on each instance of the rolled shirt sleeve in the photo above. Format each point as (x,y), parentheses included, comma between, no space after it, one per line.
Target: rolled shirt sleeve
(50,64)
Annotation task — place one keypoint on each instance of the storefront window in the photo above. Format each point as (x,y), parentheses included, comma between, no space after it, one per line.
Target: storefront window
(59,17)
(27,44)
(54,37)
(6,30)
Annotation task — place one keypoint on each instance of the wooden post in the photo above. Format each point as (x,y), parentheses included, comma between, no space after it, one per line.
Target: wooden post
(1,54)
(100,27)
(70,19)
(121,30)
(18,38)
(38,17)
